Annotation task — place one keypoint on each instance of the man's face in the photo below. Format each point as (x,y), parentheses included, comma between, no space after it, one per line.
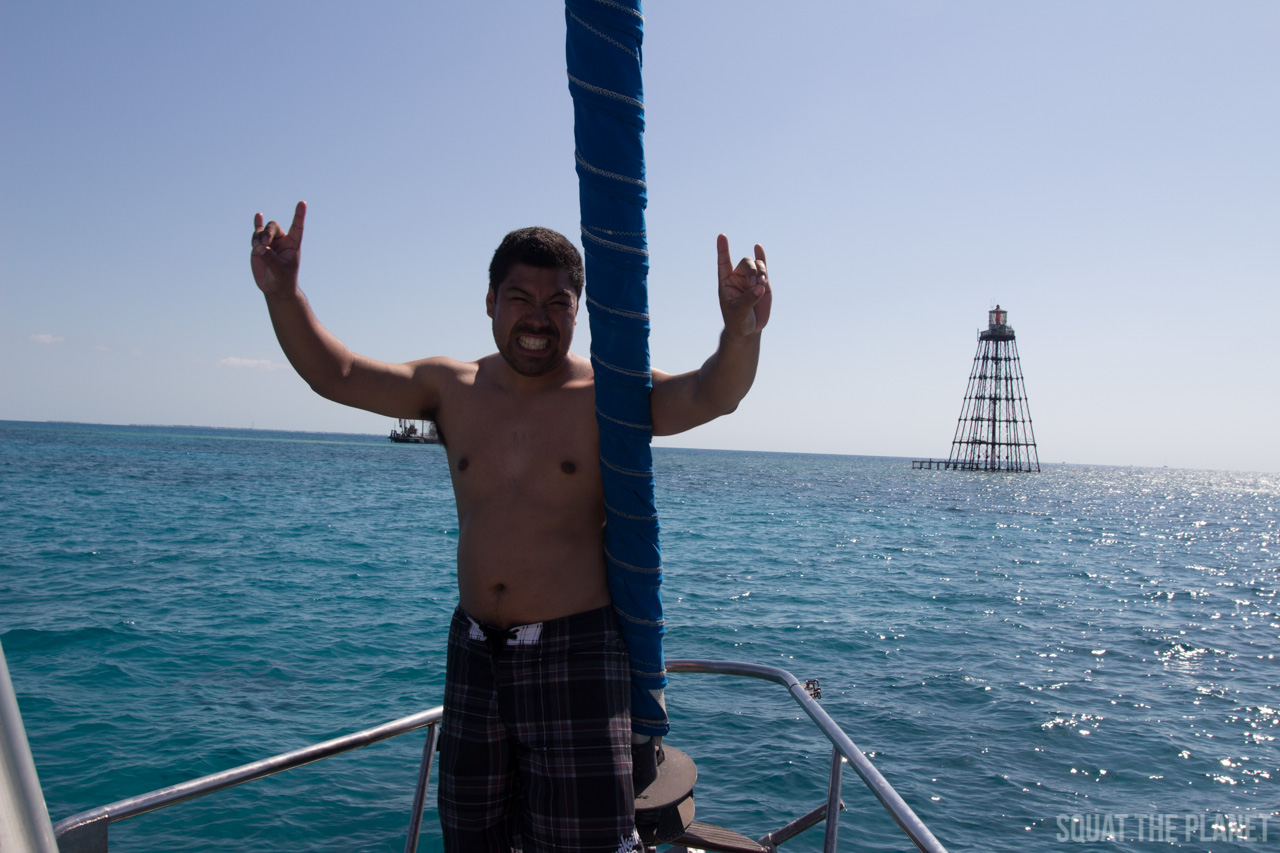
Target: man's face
(534,311)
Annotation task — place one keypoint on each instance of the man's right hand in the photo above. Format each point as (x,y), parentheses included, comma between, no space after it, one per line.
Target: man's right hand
(277,253)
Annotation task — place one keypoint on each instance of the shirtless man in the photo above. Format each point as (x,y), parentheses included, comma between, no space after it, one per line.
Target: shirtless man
(536,738)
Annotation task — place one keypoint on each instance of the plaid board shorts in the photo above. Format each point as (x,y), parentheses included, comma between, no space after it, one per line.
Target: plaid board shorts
(535,749)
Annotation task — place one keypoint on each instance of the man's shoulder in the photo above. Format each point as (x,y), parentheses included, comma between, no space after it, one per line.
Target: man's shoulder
(443,368)
(580,374)
(583,370)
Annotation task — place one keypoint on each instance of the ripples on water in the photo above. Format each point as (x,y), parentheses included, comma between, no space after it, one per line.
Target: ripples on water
(1009,649)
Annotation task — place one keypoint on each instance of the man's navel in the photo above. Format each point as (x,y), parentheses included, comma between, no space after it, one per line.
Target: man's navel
(463,463)
(568,467)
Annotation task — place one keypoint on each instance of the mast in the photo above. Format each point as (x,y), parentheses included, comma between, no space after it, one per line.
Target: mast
(603,57)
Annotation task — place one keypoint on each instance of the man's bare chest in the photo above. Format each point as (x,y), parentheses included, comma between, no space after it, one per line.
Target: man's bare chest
(537,447)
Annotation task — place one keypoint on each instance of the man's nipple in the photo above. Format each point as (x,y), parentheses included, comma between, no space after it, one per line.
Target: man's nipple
(568,467)
(463,463)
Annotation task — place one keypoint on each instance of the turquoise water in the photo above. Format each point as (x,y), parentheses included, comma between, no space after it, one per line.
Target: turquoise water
(1026,658)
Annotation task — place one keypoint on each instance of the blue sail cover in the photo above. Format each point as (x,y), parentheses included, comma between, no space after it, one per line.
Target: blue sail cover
(603,52)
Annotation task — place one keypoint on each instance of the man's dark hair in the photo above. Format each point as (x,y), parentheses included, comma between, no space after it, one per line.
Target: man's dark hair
(536,247)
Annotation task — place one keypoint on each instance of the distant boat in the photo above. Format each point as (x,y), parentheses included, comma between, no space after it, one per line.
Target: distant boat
(415,432)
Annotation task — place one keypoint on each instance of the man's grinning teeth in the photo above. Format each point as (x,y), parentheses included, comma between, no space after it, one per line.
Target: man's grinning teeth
(532,343)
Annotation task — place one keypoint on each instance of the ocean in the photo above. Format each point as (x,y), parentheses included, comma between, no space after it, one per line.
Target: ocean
(1084,656)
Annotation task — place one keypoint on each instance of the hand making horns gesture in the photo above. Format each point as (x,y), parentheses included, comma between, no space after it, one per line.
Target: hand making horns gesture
(276,253)
(745,295)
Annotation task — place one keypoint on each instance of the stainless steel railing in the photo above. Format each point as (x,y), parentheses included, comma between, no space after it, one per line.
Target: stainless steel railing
(842,746)
(86,832)
(24,820)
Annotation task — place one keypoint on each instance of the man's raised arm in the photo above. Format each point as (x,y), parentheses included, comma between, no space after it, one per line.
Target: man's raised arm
(328,366)
(682,402)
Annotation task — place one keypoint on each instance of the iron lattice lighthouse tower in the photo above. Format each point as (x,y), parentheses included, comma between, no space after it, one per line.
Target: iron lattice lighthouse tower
(994,432)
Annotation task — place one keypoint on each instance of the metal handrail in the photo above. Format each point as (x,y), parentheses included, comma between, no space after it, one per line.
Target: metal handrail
(24,820)
(898,809)
(86,832)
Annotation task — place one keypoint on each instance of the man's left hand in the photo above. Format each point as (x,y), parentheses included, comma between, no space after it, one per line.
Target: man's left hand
(745,295)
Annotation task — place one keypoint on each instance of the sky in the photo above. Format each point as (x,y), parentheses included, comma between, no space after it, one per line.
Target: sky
(1108,171)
